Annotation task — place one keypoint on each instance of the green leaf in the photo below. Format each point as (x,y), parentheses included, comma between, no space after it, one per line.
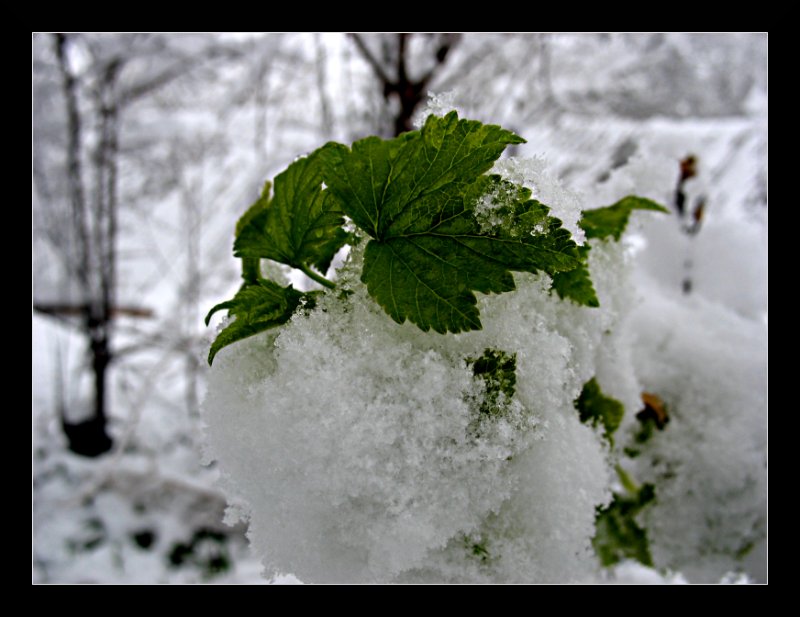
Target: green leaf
(416,196)
(301,225)
(617,534)
(256,307)
(260,204)
(498,371)
(576,284)
(611,221)
(476,547)
(251,266)
(596,408)
(360,178)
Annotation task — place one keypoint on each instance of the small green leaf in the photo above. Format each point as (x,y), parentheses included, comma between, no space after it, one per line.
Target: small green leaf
(611,221)
(256,307)
(498,371)
(300,226)
(576,284)
(260,204)
(596,408)
(416,196)
(251,266)
(477,549)
(617,534)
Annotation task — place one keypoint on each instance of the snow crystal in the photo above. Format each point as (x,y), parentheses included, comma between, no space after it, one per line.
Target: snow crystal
(491,210)
(487,212)
(532,173)
(438,105)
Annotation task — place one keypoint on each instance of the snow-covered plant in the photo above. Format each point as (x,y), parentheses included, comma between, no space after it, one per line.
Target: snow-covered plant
(364,449)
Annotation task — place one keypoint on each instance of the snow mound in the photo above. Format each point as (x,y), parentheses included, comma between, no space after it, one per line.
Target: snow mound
(357,449)
(709,465)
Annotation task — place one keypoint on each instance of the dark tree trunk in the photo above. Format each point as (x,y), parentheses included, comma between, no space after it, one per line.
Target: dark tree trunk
(90,437)
(410,92)
(93,261)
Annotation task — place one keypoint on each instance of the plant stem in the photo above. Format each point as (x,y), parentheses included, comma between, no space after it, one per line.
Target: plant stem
(251,269)
(317,277)
(627,482)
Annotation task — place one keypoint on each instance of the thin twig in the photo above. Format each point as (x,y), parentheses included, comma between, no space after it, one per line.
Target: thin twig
(376,67)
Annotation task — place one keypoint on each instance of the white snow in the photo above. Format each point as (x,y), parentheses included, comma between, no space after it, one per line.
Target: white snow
(709,365)
(348,435)
(533,173)
(439,104)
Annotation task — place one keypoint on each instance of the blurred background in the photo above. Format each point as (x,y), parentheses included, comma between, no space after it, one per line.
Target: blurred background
(146,148)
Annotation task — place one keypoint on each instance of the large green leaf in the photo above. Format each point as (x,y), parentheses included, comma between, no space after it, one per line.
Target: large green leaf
(300,226)
(416,196)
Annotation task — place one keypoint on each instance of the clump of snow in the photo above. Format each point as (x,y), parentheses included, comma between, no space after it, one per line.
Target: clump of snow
(708,364)
(350,438)
(439,104)
(356,449)
(634,573)
(353,439)
(704,353)
(492,208)
(533,174)
(707,360)
(487,212)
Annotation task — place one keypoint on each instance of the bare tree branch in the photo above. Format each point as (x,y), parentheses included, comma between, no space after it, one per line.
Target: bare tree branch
(402,75)
(449,41)
(76,310)
(325,108)
(367,54)
(176,69)
(410,92)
